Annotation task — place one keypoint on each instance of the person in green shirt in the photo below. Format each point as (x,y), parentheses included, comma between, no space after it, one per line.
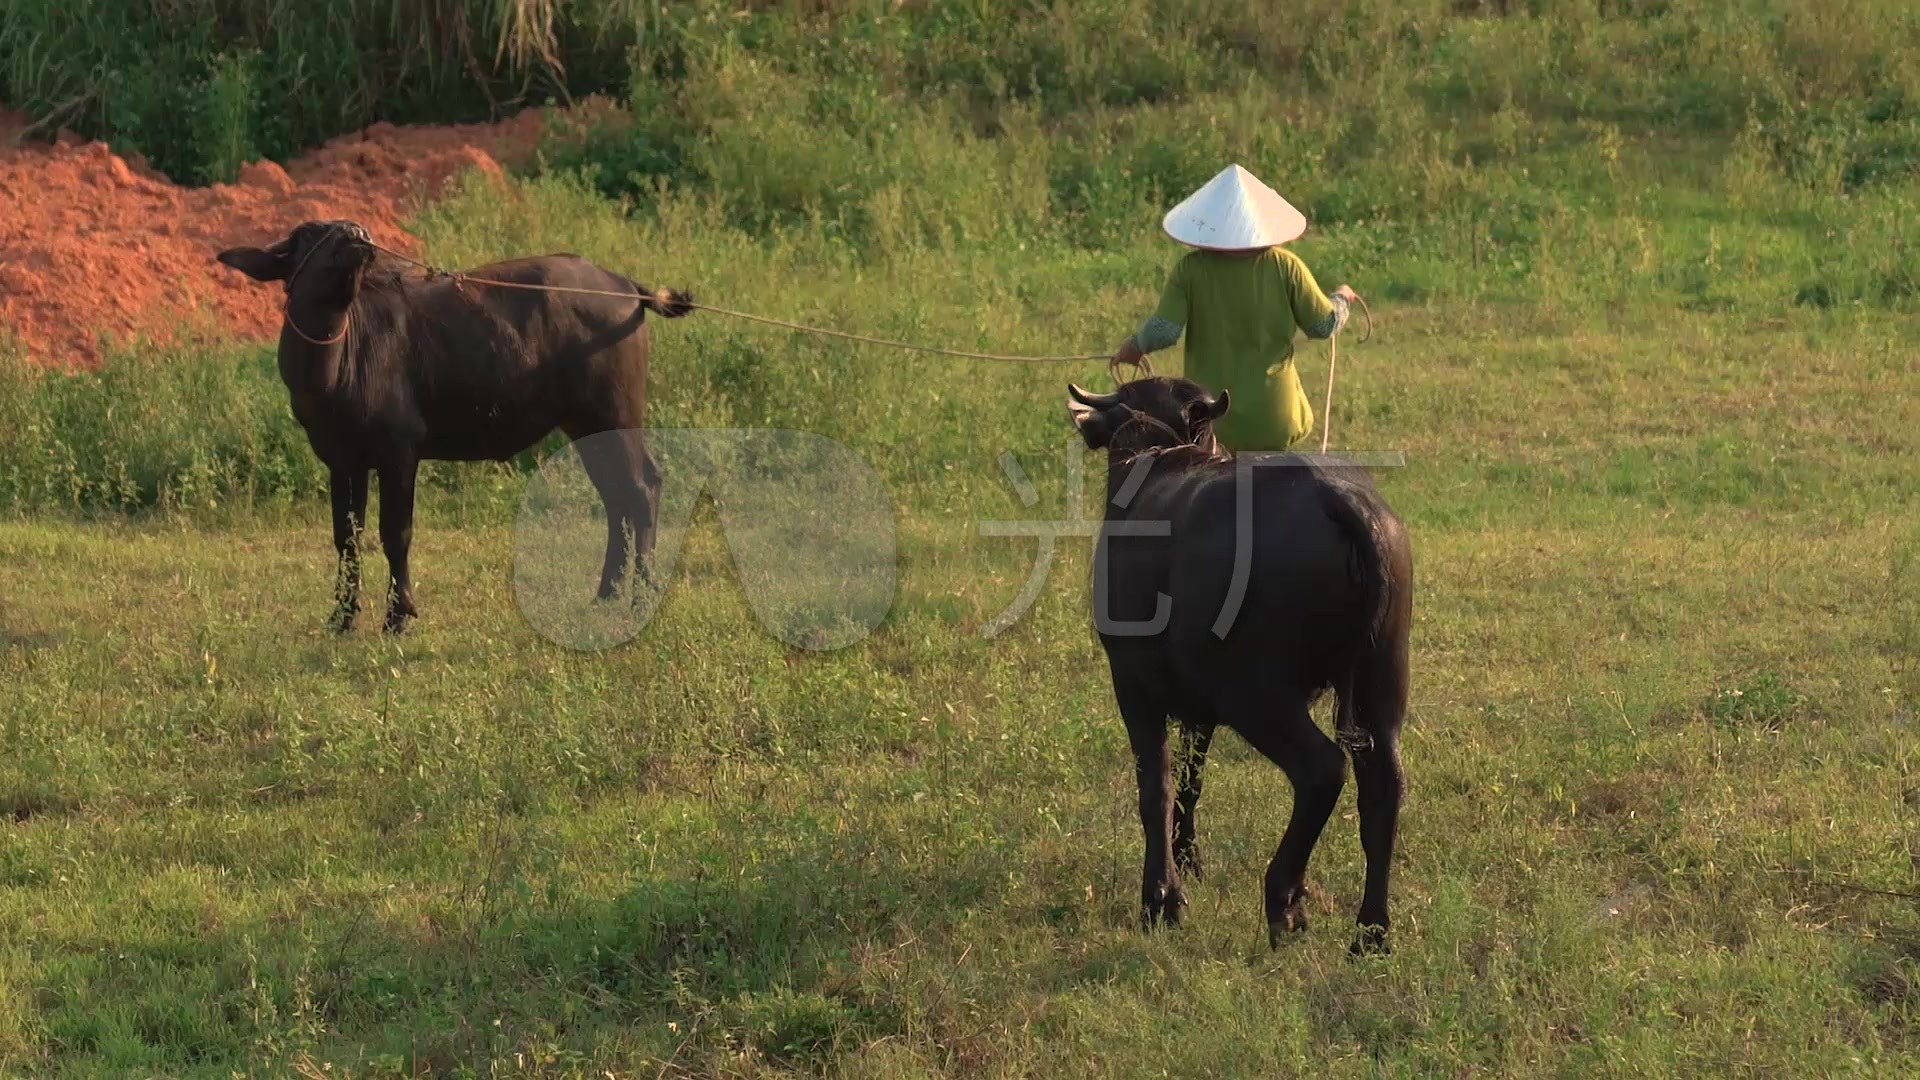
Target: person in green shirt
(1239,298)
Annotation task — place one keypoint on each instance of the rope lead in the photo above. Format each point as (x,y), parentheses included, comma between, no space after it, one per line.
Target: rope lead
(1333,359)
(460,278)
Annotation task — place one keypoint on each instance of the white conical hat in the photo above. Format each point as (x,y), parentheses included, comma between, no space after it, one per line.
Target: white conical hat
(1233,212)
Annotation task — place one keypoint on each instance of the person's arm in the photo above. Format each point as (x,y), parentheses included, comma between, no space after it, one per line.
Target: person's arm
(1336,319)
(1161,329)
(1317,314)
(1158,332)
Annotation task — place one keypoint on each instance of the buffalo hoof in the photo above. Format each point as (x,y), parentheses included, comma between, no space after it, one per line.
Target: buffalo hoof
(400,612)
(343,617)
(1187,860)
(634,588)
(1370,941)
(1290,925)
(1292,920)
(1168,909)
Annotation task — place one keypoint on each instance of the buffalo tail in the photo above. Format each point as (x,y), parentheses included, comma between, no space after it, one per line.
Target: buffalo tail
(1367,548)
(668,303)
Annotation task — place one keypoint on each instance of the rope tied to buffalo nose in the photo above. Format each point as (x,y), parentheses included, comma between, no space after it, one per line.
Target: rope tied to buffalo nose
(461,278)
(346,323)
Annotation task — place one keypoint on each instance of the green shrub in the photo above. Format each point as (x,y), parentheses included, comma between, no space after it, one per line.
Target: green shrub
(198,84)
(201,85)
(172,427)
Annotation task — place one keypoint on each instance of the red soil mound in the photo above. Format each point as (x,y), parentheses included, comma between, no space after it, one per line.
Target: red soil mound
(94,244)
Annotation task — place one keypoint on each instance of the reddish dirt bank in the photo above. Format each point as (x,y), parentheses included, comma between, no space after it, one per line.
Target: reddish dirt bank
(93,244)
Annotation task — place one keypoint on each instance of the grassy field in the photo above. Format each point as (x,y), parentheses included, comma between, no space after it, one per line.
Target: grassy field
(1660,404)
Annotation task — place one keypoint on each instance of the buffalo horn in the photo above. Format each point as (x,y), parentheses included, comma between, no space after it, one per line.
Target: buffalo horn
(1095,401)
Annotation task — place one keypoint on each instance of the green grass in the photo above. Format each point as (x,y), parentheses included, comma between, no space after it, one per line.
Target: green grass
(238,842)
(1647,349)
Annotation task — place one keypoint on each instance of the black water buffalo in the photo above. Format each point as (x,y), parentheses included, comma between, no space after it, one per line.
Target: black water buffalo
(388,370)
(1234,590)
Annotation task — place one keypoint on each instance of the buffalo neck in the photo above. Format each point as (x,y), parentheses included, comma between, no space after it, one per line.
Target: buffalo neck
(1124,487)
(308,360)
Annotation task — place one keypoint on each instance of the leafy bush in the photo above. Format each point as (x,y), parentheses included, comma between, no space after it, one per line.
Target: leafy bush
(199,86)
(166,429)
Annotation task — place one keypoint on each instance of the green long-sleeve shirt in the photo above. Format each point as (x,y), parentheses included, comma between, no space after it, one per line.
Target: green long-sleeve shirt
(1239,314)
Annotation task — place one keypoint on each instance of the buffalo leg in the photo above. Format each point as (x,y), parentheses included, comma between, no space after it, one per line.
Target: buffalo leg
(1381,785)
(347,489)
(396,536)
(1194,741)
(1379,706)
(1160,894)
(1317,770)
(618,465)
(653,481)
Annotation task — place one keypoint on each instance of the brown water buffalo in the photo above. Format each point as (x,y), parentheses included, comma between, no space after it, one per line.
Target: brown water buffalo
(387,370)
(1234,590)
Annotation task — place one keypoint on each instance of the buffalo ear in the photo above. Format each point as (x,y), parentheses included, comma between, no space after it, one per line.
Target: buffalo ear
(1091,421)
(256,264)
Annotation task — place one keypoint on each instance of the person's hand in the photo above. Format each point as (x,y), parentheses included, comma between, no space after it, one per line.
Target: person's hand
(1128,355)
(1346,293)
